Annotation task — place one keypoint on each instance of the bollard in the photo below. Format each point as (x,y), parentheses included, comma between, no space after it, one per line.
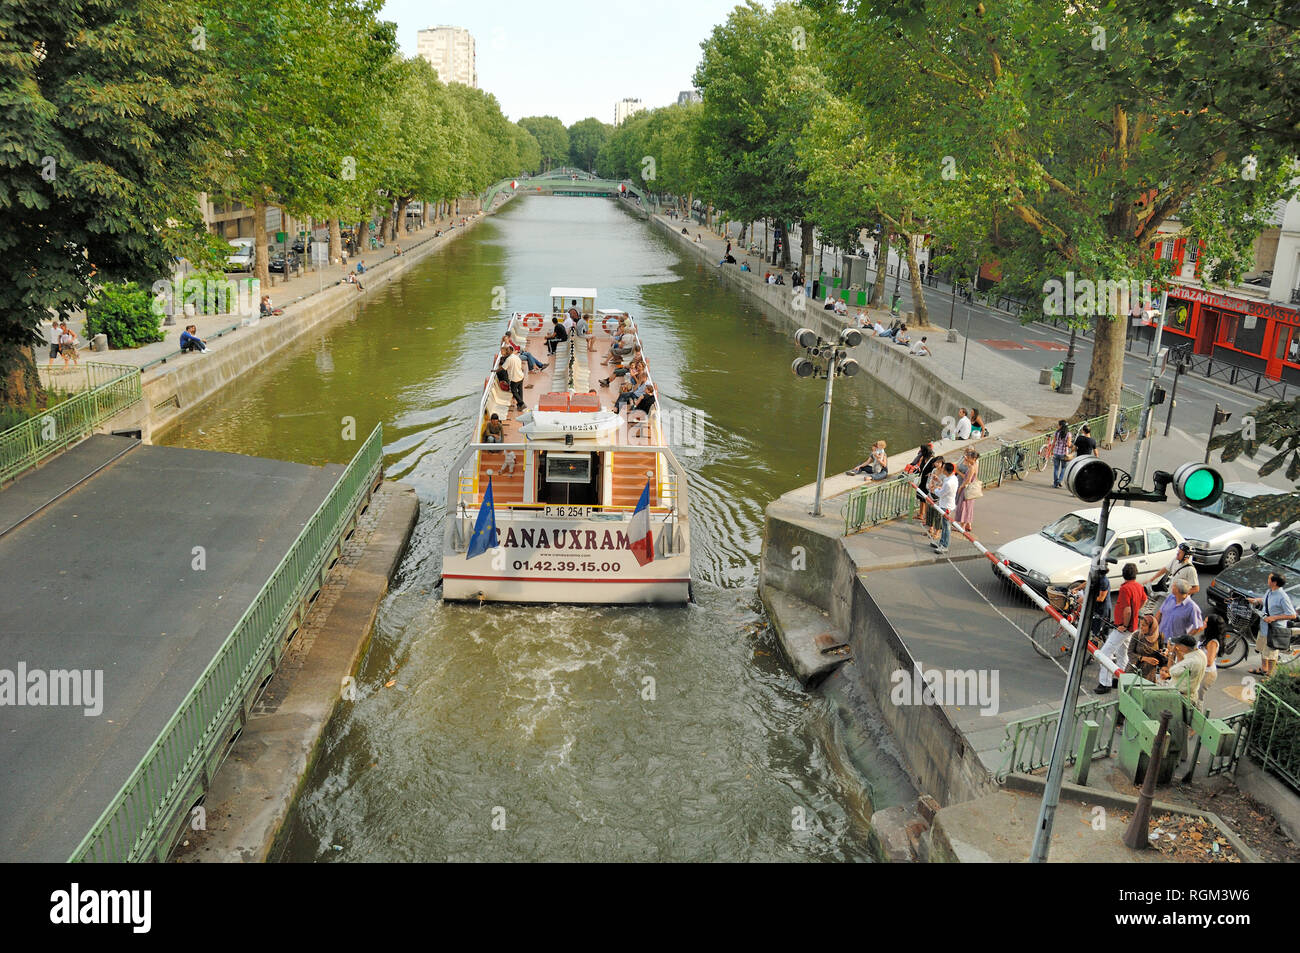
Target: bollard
(952,336)
(1136,835)
(1045,376)
(100,342)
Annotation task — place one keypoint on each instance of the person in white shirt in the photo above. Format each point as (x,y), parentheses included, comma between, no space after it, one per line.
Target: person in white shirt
(946,502)
(841,308)
(515,369)
(52,331)
(963,425)
(920,348)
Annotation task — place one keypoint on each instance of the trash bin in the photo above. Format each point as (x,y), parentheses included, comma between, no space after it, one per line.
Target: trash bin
(1057,371)
(1045,376)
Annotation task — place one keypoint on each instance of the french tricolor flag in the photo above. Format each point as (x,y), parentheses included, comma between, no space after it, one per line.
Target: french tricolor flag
(640,541)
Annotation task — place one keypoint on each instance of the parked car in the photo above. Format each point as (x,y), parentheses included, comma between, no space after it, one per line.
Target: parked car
(1216,534)
(1250,576)
(1059,553)
(277,263)
(243,254)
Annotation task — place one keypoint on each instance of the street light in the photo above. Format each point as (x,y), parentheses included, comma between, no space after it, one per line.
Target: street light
(824,359)
(1091,480)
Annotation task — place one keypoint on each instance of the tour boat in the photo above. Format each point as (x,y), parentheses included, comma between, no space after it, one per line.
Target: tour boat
(579,502)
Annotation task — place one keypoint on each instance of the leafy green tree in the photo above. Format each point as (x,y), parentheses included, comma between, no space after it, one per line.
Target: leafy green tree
(124,313)
(586,138)
(552,139)
(527,152)
(110,112)
(1048,134)
(1276,426)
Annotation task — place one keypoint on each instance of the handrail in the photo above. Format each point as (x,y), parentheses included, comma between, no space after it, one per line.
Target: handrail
(68,422)
(136,821)
(1027,743)
(874,503)
(1274,726)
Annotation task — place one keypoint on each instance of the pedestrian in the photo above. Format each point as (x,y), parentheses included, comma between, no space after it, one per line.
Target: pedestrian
(1103,609)
(1146,650)
(1181,567)
(1128,608)
(1188,671)
(1178,615)
(1059,448)
(514,369)
(963,423)
(931,487)
(1276,609)
(51,332)
(969,481)
(947,501)
(68,344)
(1084,444)
(728,246)
(1210,642)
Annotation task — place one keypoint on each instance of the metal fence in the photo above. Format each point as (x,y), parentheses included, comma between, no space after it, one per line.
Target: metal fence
(140,821)
(874,503)
(1028,743)
(99,392)
(1227,763)
(1275,736)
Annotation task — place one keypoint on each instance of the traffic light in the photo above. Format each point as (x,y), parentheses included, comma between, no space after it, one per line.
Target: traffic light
(1089,478)
(1197,484)
(1220,415)
(1157,395)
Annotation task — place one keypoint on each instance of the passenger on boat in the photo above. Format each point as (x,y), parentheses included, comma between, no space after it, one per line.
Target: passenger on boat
(556,336)
(630,394)
(507,340)
(647,400)
(494,432)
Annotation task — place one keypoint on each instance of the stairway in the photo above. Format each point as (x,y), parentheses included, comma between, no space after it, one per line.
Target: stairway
(506,487)
(630,476)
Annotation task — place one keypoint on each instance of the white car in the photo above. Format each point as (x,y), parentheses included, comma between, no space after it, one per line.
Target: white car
(1058,554)
(243,254)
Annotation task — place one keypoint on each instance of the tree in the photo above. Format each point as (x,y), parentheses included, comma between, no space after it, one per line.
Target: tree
(1275,425)
(552,138)
(528,153)
(110,112)
(1049,136)
(586,138)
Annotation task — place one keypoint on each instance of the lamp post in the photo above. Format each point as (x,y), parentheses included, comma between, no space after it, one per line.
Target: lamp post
(1067,372)
(827,359)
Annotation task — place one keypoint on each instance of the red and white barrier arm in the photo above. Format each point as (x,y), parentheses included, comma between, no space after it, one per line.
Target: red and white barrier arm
(1001,567)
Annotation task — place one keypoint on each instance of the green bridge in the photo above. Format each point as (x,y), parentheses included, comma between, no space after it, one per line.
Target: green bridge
(565,181)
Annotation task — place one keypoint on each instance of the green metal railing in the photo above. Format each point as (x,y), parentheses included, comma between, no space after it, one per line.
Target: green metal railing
(1227,763)
(104,390)
(1275,736)
(1028,742)
(141,819)
(874,503)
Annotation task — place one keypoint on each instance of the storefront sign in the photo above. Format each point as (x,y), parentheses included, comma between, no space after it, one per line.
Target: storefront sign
(1263,309)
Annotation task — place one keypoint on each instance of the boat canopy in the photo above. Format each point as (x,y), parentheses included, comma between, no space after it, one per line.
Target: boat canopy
(573,292)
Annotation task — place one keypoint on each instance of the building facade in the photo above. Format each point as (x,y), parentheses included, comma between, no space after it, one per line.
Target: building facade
(625,108)
(687,96)
(1254,325)
(450,51)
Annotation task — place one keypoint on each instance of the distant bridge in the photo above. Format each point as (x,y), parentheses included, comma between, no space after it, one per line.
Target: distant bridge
(565,181)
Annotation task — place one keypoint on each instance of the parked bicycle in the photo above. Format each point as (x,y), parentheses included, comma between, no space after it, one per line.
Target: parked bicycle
(1121,425)
(1011,461)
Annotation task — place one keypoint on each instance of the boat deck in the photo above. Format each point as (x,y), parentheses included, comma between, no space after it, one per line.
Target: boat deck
(630,469)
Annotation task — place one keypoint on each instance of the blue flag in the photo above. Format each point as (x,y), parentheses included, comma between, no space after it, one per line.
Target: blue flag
(485,527)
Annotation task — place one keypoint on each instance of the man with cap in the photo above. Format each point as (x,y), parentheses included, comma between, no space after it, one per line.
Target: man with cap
(1182,568)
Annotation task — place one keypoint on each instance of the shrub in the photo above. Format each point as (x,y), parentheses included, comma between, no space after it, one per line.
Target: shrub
(125,313)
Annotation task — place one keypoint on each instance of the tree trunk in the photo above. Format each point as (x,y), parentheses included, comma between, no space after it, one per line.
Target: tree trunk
(383,226)
(336,242)
(20,385)
(914,279)
(805,247)
(404,201)
(882,270)
(424,217)
(785,246)
(261,271)
(1106,373)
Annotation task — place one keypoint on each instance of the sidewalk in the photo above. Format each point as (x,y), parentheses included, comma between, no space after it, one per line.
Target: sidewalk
(284,294)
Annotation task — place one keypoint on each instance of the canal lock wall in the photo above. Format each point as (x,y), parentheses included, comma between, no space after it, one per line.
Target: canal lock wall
(823,611)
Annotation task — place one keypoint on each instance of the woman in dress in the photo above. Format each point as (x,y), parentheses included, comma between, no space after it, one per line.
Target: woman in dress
(933,518)
(967,470)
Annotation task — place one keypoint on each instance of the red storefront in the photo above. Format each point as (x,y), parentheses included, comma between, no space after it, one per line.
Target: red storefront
(1263,336)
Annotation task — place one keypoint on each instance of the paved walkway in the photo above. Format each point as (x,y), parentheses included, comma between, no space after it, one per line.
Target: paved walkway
(284,294)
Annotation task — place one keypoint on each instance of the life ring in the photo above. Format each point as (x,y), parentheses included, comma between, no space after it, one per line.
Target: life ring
(533,327)
(606,324)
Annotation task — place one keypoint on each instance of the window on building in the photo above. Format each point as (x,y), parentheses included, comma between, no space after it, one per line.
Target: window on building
(1245,332)
(1167,251)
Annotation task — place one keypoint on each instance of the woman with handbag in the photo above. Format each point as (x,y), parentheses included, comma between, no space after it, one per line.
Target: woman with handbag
(970,489)
(1059,448)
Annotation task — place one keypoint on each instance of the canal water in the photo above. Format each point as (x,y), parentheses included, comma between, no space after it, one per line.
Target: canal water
(562,732)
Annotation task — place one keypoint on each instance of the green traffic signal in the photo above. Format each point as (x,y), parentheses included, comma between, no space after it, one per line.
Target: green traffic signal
(1197,484)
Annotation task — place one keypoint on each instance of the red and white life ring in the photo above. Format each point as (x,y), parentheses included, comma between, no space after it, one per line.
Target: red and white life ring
(528,321)
(611,322)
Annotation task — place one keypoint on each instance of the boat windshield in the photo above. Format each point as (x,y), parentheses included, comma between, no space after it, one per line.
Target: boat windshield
(1283,551)
(1228,508)
(1075,532)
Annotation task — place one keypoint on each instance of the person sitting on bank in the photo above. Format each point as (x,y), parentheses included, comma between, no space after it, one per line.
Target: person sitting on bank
(963,424)
(190,340)
(841,307)
(268,308)
(353,280)
(920,348)
(977,426)
(829,303)
(902,337)
(361,267)
(744,266)
(875,466)
(728,259)
(494,432)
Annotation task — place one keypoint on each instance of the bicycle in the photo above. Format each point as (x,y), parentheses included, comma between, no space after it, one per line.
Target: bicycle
(1240,616)
(1012,461)
(1049,636)
(1121,425)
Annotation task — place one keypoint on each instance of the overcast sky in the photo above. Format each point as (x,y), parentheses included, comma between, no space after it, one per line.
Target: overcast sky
(573,58)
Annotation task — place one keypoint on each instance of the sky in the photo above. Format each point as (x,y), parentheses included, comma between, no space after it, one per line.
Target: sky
(573,58)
